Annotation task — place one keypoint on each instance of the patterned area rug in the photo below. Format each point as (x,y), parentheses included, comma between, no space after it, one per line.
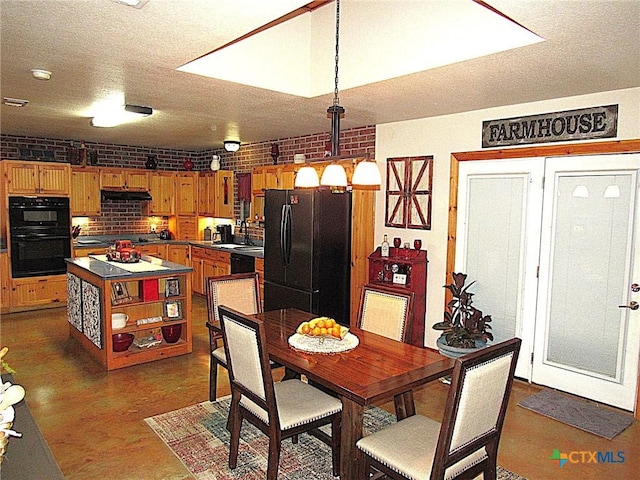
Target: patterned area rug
(198,437)
(578,413)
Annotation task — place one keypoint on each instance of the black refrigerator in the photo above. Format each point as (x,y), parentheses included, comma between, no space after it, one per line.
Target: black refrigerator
(307,252)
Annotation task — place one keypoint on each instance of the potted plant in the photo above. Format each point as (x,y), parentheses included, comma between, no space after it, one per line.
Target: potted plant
(464,328)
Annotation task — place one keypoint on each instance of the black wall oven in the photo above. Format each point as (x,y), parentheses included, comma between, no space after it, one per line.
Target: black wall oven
(40,231)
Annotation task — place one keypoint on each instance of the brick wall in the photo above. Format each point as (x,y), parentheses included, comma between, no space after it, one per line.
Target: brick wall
(127,216)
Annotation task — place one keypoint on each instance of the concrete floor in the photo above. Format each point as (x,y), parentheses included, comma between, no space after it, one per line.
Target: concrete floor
(93,419)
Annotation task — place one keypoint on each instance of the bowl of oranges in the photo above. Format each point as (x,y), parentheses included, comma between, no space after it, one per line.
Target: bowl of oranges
(323,327)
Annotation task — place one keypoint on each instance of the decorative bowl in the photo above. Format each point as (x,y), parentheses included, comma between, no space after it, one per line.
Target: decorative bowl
(119,320)
(171,333)
(122,341)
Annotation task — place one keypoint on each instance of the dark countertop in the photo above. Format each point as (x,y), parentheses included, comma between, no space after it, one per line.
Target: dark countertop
(111,271)
(85,241)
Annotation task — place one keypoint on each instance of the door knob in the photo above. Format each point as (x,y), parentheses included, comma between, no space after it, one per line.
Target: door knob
(632,306)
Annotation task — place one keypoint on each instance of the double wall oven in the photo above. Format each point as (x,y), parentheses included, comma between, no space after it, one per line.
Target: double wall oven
(40,232)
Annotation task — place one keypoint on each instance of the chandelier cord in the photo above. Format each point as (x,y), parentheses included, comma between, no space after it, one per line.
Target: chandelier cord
(336,100)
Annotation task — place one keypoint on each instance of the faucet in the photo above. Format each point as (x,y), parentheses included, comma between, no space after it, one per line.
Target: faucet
(247,239)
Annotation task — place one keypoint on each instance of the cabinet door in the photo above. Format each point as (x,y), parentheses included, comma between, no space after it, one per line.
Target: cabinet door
(287,177)
(204,205)
(162,190)
(179,254)
(5,281)
(137,180)
(257,181)
(184,227)
(271,177)
(22,177)
(85,192)
(224,194)
(54,179)
(112,178)
(186,193)
(197,279)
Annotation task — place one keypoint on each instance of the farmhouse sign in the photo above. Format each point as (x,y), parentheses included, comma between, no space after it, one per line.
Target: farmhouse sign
(586,123)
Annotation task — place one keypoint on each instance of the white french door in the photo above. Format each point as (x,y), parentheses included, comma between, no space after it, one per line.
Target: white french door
(587,341)
(579,229)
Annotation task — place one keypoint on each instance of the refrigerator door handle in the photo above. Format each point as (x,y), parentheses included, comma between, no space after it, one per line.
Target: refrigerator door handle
(287,234)
(283,220)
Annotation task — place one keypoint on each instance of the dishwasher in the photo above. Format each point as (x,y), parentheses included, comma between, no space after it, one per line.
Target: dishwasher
(242,263)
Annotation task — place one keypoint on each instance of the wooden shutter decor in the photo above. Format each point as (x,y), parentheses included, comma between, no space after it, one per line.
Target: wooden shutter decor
(409,189)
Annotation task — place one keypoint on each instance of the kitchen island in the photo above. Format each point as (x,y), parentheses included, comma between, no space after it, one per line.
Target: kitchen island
(154,294)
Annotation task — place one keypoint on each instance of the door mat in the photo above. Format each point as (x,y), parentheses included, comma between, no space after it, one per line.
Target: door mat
(578,413)
(197,435)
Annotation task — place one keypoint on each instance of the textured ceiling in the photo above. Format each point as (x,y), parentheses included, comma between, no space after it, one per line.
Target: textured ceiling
(97,47)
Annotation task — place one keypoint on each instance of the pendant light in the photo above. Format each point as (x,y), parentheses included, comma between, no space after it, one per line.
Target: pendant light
(334,175)
(307,177)
(367,173)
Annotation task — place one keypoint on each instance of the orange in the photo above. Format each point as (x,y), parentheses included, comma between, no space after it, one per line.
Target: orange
(323,331)
(335,331)
(329,323)
(320,323)
(305,329)
(315,331)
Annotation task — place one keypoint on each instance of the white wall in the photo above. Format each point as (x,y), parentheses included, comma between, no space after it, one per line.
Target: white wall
(442,136)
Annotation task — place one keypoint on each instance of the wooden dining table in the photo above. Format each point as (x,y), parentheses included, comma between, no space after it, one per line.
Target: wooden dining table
(378,369)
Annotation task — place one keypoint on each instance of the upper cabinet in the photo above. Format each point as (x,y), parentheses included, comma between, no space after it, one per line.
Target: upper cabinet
(215,194)
(28,178)
(272,177)
(85,192)
(186,193)
(162,190)
(124,179)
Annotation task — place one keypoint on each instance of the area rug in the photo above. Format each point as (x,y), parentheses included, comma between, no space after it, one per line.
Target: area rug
(198,437)
(578,413)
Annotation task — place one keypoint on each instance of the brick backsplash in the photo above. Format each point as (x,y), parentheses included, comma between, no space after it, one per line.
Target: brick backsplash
(127,216)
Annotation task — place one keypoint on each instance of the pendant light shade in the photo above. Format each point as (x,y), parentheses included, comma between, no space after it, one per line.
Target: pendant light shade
(367,173)
(334,176)
(307,177)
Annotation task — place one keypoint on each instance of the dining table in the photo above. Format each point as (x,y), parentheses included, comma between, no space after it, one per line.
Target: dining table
(376,370)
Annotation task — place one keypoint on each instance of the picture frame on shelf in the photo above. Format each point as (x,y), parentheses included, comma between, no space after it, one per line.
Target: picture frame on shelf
(119,293)
(172,287)
(172,310)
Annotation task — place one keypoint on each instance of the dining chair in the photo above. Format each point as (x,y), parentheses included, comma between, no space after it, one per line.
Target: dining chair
(465,444)
(239,291)
(386,311)
(279,409)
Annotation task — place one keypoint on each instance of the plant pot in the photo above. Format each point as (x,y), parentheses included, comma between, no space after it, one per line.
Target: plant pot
(456,352)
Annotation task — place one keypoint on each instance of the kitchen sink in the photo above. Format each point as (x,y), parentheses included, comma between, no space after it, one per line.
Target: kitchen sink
(249,248)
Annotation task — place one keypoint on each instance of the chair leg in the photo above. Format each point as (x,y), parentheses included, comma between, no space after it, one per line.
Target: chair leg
(235,419)
(335,444)
(213,379)
(274,456)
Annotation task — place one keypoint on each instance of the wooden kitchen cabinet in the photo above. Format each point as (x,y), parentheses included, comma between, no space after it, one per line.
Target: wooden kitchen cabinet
(46,291)
(186,193)
(163,191)
(85,192)
(259,266)
(215,194)
(207,262)
(184,227)
(5,282)
(124,179)
(28,178)
(180,254)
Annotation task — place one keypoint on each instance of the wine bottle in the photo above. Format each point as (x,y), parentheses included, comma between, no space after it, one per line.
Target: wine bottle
(384,248)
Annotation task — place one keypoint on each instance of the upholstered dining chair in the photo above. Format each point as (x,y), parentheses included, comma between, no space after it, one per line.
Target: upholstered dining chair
(239,291)
(280,410)
(385,311)
(465,444)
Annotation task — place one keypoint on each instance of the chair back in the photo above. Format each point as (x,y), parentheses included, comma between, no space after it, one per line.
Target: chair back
(476,405)
(239,291)
(386,311)
(247,359)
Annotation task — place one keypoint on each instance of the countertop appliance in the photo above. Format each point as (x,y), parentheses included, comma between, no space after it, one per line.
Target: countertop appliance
(307,252)
(40,232)
(225,233)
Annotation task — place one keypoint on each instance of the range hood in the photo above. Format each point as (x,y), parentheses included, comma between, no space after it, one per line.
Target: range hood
(124,195)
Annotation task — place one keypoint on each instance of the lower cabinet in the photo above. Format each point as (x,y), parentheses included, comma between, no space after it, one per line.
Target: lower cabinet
(5,282)
(179,254)
(50,291)
(260,270)
(207,262)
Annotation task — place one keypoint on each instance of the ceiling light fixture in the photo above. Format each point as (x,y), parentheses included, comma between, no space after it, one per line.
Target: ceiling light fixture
(14,102)
(367,173)
(231,145)
(40,74)
(307,177)
(132,3)
(114,117)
